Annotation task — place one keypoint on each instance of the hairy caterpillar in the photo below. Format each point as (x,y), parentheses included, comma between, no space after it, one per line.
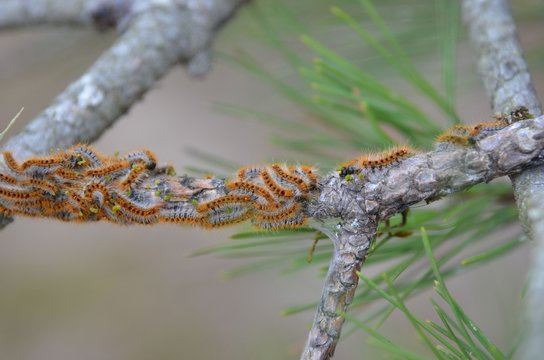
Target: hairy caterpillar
(145,156)
(38,184)
(11,162)
(294,179)
(181,216)
(109,169)
(275,216)
(133,176)
(376,161)
(8,179)
(273,185)
(84,156)
(43,161)
(235,215)
(222,201)
(457,135)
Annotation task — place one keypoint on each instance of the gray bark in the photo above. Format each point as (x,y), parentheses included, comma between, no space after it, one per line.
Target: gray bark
(508,84)
(361,204)
(16,13)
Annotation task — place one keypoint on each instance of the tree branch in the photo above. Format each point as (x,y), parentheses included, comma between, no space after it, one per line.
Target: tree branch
(17,13)
(508,84)
(159,34)
(350,248)
(361,204)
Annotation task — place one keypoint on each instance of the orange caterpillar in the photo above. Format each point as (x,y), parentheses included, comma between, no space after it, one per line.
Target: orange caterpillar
(292,178)
(145,156)
(11,163)
(133,176)
(306,170)
(458,135)
(376,161)
(8,179)
(43,185)
(133,208)
(67,174)
(108,169)
(274,187)
(45,161)
(250,188)
(386,158)
(484,129)
(18,194)
(282,214)
(222,201)
(249,172)
(84,156)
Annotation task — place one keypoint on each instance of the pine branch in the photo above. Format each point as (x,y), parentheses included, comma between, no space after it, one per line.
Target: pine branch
(157,35)
(361,204)
(80,184)
(508,83)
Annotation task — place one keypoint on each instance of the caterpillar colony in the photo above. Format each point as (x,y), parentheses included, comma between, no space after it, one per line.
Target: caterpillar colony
(82,185)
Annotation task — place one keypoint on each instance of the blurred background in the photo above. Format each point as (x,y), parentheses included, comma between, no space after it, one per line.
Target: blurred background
(100,291)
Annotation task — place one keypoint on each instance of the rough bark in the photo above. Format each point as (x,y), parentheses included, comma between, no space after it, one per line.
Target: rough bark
(361,204)
(508,84)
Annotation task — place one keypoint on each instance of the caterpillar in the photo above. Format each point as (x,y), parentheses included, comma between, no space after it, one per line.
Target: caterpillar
(386,158)
(250,188)
(288,223)
(274,216)
(108,169)
(180,216)
(248,172)
(294,179)
(134,208)
(306,172)
(273,186)
(484,129)
(11,163)
(457,135)
(18,194)
(67,174)
(136,172)
(145,156)
(48,187)
(84,156)
(43,161)
(8,179)
(222,201)
(376,161)
(236,215)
